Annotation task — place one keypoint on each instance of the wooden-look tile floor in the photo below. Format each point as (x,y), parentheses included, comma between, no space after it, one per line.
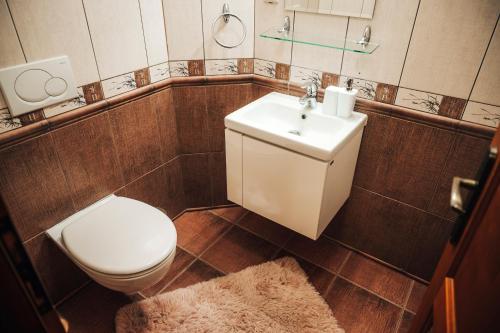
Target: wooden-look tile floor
(364,295)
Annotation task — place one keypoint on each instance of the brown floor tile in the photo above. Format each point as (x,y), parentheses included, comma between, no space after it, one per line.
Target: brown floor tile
(197,272)
(322,252)
(269,230)
(416,296)
(405,322)
(318,277)
(231,214)
(237,250)
(377,278)
(197,230)
(92,309)
(181,261)
(357,310)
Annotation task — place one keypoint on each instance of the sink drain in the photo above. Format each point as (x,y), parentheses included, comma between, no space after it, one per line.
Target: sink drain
(294,132)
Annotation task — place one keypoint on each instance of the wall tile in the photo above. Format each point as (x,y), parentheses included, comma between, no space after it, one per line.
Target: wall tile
(159,72)
(486,86)
(196,67)
(179,68)
(33,186)
(314,57)
(92,92)
(329,79)
(64,33)
(154,31)
(32,117)
(66,106)
(391,28)
(118,85)
(386,93)
(484,114)
(419,100)
(245,66)
(163,103)
(264,68)
(366,89)
(118,39)
(221,67)
(196,178)
(161,188)
(229,33)
(141,77)
(436,49)
(269,15)
(452,107)
(136,135)
(3,104)
(217,167)
(59,275)
(301,76)
(192,119)
(183,23)
(88,158)
(7,123)
(10,49)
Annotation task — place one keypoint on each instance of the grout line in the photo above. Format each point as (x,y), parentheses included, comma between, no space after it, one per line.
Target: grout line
(343,50)
(15,29)
(73,293)
(143,32)
(409,43)
(92,44)
(330,285)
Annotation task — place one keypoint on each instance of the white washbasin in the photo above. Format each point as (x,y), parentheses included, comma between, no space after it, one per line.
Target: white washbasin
(276,118)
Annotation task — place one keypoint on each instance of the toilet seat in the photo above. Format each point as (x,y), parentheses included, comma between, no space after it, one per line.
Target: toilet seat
(135,237)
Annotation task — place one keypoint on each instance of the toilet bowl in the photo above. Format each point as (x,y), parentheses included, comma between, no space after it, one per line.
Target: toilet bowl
(121,243)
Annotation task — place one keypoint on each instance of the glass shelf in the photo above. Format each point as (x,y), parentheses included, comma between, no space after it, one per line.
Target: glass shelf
(318,40)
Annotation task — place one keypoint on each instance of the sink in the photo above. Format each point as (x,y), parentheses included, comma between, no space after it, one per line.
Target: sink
(278,119)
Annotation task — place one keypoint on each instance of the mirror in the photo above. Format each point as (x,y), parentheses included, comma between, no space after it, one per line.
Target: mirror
(353,8)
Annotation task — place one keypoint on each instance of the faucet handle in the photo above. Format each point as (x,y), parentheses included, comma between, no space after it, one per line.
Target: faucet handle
(311,89)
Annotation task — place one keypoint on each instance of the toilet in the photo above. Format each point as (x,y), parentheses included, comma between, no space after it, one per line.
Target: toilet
(121,243)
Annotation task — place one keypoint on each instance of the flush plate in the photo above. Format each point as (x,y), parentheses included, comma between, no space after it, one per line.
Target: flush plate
(38,84)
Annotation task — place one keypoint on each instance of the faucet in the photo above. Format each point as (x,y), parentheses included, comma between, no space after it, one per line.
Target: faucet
(309,99)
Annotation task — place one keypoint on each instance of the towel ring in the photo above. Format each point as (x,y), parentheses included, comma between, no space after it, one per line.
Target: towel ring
(225,16)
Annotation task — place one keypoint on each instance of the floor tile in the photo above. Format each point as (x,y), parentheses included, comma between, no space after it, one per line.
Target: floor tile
(197,272)
(267,229)
(377,278)
(181,261)
(357,310)
(405,324)
(231,214)
(322,252)
(93,309)
(416,296)
(237,250)
(197,230)
(320,278)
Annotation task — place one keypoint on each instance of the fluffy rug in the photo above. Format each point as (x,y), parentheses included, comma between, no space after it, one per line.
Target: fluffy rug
(271,297)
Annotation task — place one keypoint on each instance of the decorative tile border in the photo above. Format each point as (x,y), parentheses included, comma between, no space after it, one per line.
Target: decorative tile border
(484,114)
(264,68)
(118,85)
(221,67)
(419,100)
(159,72)
(141,77)
(196,67)
(366,89)
(68,105)
(179,68)
(7,123)
(301,76)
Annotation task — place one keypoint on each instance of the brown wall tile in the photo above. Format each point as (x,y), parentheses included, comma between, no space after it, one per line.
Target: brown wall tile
(196,176)
(282,72)
(245,66)
(141,77)
(59,275)
(386,93)
(163,103)
(33,186)
(452,107)
(88,159)
(32,117)
(192,119)
(136,135)
(161,188)
(465,159)
(221,101)
(217,167)
(329,79)
(196,68)
(92,92)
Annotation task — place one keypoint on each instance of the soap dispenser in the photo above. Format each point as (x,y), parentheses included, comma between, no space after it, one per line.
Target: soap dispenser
(346,100)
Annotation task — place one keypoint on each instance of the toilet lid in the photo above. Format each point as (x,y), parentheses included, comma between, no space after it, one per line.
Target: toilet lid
(121,236)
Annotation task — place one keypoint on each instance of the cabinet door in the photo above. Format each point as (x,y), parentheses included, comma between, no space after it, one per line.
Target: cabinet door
(283,186)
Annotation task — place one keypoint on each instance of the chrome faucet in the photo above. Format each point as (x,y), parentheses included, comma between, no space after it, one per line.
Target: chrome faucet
(309,99)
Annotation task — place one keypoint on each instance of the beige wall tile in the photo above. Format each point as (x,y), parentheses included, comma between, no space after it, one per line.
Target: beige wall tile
(391,29)
(183,23)
(419,100)
(10,50)
(53,28)
(314,57)
(448,44)
(228,33)
(154,31)
(116,31)
(266,16)
(483,114)
(487,86)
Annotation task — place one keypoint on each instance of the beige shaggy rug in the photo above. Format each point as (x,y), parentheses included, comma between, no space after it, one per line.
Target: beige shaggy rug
(271,297)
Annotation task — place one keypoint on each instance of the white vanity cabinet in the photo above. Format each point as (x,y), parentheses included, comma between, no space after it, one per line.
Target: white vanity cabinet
(297,191)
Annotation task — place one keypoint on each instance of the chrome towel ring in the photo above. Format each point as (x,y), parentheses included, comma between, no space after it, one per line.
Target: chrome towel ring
(226,15)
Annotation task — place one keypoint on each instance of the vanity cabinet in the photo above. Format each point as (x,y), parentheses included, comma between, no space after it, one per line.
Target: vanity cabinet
(297,191)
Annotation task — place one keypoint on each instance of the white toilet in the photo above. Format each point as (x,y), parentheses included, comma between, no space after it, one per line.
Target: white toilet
(121,243)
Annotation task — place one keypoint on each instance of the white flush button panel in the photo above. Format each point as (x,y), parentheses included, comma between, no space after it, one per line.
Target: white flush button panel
(32,86)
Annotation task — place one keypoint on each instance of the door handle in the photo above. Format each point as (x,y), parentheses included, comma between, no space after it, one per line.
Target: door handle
(456,201)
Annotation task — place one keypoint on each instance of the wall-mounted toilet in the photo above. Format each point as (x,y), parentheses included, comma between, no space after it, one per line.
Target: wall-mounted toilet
(121,243)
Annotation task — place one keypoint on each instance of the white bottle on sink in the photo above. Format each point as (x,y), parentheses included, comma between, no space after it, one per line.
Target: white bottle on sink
(346,100)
